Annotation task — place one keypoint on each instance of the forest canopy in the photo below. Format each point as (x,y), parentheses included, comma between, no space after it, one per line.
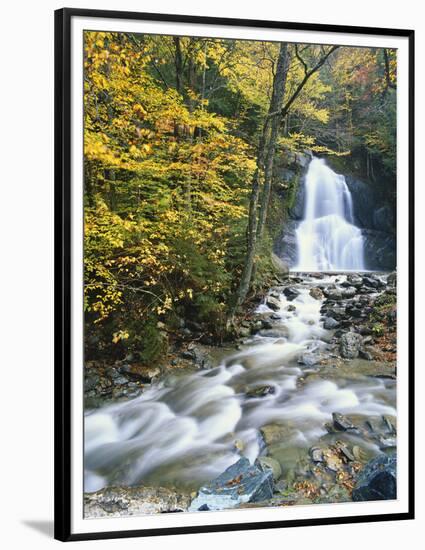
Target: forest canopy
(181,135)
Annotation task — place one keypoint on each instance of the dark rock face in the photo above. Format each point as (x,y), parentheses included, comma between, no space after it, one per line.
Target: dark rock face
(286,246)
(379,249)
(378,480)
(377,220)
(239,484)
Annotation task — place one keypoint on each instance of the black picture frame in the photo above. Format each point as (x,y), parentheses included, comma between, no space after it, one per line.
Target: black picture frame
(63,218)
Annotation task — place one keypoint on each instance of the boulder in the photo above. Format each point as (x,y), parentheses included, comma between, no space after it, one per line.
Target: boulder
(378,480)
(392,279)
(316,293)
(333,293)
(349,345)
(239,484)
(140,372)
(291,293)
(341,422)
(131,501)
(330,323)
(273,303)
(198,355)
(261,391)
(265,463)
(309,359)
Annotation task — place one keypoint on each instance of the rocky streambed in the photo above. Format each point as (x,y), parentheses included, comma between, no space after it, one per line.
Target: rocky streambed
(303,411)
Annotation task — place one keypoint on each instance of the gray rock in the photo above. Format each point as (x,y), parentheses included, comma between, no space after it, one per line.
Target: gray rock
(199,356)
(330,323)
(341,422)
(91,380)
(129,501)
(349,292)
(273,303)
(261,391)
(309,359)
(333,293)
(291,293)
(378,480)
(286,246)
(316,293)
(392,279)
(265,463)
(350,344)
(239,484)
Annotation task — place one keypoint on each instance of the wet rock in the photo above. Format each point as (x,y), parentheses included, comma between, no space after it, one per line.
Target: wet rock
(378,480)
(316,454)
(239,484)
(198,355)
(333,293)
(344,450)
(392,279)
(330,323)
(91,380)
(274,333)
(273,303)
(309,359)
(342,422)
(291,307)
(265,323)
(366,355)
(265,463)
(275,433)
(354,280)
(350,344)
(244,332)
(335,312)
(261,391)
(140,372)
(129,501)
(373,282)
(349,292)
(316,293)
(291,293)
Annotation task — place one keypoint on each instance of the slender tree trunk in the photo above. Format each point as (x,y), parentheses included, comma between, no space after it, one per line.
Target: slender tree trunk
(262,158)
(269,131)
(178,61)
(279,85)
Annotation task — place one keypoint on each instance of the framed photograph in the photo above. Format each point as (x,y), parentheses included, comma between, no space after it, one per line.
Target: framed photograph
(234,274)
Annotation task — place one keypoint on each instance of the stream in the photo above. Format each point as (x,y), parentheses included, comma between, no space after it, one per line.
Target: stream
(275,395)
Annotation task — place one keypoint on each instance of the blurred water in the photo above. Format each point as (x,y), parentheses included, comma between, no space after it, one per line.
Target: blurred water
(189,429)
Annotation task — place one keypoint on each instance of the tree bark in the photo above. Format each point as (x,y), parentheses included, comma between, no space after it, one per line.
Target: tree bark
(279,86)
(270,126)
(265,162)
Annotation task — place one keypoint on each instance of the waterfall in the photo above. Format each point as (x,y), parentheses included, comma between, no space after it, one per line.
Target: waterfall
(327,238)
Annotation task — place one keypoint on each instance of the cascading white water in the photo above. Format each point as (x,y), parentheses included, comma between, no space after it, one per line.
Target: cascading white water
(327,238)
(188,429)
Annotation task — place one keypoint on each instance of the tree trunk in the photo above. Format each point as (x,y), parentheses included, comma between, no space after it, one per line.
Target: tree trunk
(270,126)
(279,85)
(178,61)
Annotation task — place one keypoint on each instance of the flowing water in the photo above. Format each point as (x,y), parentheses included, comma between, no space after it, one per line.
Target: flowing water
(188,429)
(327,239)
